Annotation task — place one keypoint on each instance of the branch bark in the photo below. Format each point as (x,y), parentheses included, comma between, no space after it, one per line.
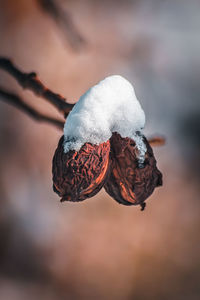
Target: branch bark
(21,105)
(31,82)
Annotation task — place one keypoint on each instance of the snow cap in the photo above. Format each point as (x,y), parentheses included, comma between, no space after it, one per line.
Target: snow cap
(110,106)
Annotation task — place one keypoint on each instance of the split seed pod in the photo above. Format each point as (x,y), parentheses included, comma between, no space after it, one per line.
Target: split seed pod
(130,183)
(78,175)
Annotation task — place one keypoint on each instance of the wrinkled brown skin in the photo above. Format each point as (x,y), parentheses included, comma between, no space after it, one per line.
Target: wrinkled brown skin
(78,175)
(129,183)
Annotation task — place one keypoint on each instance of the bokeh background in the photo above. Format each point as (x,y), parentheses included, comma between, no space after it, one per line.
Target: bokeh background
(99,249)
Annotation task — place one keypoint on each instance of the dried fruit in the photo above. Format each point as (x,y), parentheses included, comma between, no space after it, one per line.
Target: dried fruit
(128,171)
(78,175)
(129,182)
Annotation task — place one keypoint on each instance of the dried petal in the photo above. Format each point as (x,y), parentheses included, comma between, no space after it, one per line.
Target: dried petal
(78,175)
(129,183)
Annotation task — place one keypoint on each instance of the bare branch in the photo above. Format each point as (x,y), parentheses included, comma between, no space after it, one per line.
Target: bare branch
(64,20)
(157,141)
(30,81)
(21,105)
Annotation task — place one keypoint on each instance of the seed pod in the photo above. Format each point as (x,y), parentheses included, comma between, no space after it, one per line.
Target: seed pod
(129,182)
(78,175)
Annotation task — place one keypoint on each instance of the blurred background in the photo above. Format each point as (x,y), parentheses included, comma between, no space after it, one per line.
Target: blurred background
(98,249)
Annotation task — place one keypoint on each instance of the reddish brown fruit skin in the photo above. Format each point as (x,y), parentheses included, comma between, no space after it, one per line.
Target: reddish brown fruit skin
(78,175)
(128,183)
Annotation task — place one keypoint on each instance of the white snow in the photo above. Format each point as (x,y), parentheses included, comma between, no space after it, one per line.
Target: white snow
(110,106)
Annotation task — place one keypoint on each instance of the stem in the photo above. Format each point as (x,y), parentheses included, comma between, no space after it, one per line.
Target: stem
(31,81)
(21,105)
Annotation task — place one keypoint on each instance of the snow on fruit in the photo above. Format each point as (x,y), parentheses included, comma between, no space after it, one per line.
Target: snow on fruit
(103,145)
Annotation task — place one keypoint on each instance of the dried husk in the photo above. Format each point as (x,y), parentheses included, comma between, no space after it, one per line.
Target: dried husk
(129,182)
(78,175)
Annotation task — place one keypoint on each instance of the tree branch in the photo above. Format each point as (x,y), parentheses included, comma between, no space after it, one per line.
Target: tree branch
(21,105)
(30,81)
(64,20)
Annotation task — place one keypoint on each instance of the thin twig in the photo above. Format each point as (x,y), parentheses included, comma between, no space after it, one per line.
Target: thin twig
(64,20)
(21,105)
(157,141)
(30,81)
